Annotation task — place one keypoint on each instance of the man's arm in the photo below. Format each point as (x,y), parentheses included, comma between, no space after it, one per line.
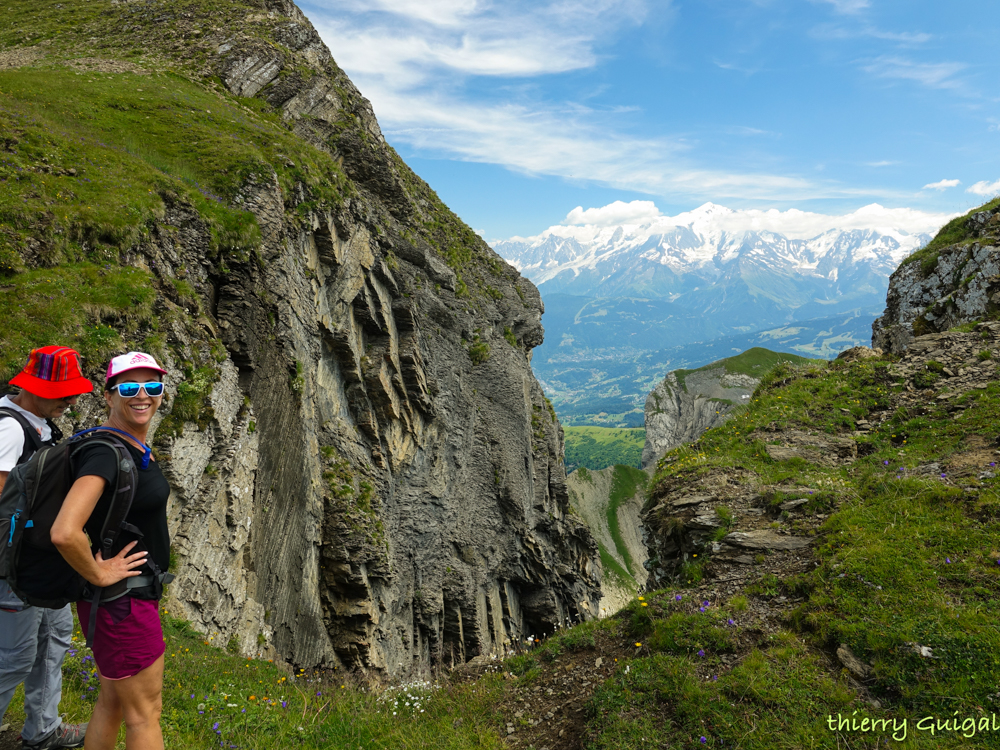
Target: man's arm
(3,479)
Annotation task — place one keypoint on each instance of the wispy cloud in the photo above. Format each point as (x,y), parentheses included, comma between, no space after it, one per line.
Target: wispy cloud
(745,70)
(793,223)
(984,188)
(425,63)
(882,163)
(941,185)
(933,75)
(614,214)
(746,130)
(848,7)
(567,142)
(903,38)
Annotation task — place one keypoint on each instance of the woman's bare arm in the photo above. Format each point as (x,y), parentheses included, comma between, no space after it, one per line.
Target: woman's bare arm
(70,539)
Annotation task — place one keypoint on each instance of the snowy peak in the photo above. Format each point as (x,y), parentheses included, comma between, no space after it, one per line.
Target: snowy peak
(588,256)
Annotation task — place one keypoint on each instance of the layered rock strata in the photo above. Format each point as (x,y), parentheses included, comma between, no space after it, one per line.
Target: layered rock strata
(365,471)
(958,285)
(679,412)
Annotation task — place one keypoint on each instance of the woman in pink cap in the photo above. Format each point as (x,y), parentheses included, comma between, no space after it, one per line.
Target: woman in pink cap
(128,638)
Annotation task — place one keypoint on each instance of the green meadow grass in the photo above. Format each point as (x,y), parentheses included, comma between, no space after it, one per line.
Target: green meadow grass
(213,698)
(625,483)
(953,232)
(84,306)
(755,362)
(903,559)
(599,447)
(613,568)
(89,160)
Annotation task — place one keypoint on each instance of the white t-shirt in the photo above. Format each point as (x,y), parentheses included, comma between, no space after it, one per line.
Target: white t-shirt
(12,434)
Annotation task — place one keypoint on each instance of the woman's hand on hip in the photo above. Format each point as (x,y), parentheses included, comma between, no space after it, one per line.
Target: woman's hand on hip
(121,566)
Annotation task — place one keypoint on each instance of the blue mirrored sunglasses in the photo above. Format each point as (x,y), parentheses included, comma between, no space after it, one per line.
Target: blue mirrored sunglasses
(128,390)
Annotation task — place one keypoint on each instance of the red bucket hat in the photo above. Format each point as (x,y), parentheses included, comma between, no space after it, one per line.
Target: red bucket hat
(53,372)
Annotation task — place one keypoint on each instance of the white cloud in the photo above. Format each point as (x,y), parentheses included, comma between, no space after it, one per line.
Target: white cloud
(436,12)
(614,214)
(932,75)
(941,185)
(984,188)
(797,224)
(425,64)
(793,223)
(903,38)
(569,141)
(848,6)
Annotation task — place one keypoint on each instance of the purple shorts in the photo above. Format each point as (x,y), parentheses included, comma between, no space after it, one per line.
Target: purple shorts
(128,637)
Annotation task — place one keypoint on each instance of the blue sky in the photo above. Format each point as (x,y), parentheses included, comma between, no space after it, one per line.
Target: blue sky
(518,111)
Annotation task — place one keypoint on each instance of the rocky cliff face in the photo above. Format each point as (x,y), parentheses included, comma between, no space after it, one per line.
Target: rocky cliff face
(679,412)
(946,286)
(365,472)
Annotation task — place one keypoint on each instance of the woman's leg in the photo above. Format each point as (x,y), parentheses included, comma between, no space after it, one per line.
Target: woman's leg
(102,731)
(139,700)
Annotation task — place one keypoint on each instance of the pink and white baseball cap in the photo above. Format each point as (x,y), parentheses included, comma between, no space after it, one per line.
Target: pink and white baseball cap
(131,361)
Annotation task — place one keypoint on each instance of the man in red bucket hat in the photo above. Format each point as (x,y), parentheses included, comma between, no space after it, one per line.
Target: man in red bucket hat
(34,641)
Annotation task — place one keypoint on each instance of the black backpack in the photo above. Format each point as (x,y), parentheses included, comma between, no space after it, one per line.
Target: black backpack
(31,500)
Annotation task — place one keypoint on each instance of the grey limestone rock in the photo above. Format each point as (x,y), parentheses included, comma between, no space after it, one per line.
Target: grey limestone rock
(365,472)
(763,539)
(679,412)
(963,286)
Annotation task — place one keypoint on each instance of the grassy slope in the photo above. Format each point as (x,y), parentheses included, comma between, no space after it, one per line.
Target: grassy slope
(599,447)
(87,163)
(955,231)
(912,559)
(212,698)
(624,485)
(754,362)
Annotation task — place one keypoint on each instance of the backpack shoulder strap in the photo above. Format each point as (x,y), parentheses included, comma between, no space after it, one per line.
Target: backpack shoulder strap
(125,486)
(30,433)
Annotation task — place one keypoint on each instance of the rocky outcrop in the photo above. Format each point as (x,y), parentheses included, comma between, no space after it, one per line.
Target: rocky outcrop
(958,284)
(722,523)
(365,471)
(679,411)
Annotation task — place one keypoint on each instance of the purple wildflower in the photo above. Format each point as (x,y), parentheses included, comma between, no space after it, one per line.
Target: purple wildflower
(701,652)
(678,597)
(947,560)
(703,740)
(215,726)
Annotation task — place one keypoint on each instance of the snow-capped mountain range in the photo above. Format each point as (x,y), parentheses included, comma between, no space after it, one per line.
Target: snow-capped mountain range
(712,247)
(630,293)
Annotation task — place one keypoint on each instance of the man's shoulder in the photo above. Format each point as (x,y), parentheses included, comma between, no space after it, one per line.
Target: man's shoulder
(11,431)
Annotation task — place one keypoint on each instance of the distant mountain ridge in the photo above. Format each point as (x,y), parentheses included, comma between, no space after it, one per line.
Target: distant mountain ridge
(626,303)
(705,264)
